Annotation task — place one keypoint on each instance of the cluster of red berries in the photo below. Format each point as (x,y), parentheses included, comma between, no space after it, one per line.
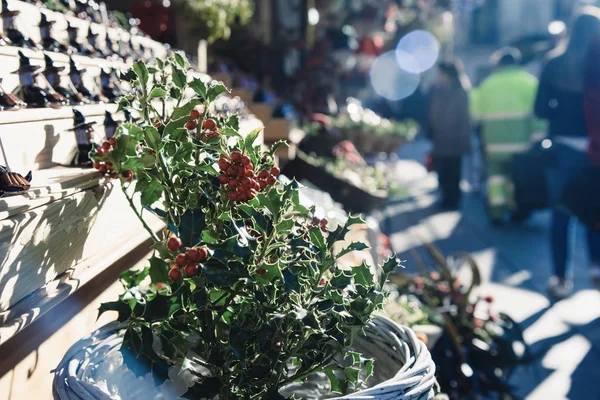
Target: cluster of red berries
(185,263)
(237,172)
(322,223)
(107,146)
(208,126)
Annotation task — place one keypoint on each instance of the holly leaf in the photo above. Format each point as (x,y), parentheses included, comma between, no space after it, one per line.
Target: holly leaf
(352,374)
(199,87)
(215,90)
(159,270)
(362,275)
(233,122)
(336,383)
(179,77)
(251,137)
(391,264)
(317,238)
(354,246)
(277,145)
(152,137)
(151,192)
(141,71)
(120,307)
(180,59)
(158,93)
(184,111)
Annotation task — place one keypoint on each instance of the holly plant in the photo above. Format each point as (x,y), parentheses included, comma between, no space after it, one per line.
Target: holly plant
(243,288)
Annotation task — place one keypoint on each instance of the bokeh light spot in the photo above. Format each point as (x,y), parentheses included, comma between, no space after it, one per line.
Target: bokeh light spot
(423,46)
(389,80)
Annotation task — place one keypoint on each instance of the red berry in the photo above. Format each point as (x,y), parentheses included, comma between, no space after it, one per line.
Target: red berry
(231,170)
(223,179)
(324,222)
(249,173)
(114,175)
(324,228)
(213,134)
(191,125)
(245,160)
(261,271)
(233,196)
(191,269)
(224,165)
(127,174)
(202,253)
(251,194)
(236,156)
(418,282)
(271,180)
(322,282)
(113,142)
(262,184)
(233,183)
(264,174)
(249,166)
(246,182)
(97,165)
(102,169)
(195,114)
(255,185)
(275,171)
(175,274)
(109,165)
(489,298)
(174,244)
(193,254)
(316,221)
(239,170)
(209,124)
(106,146)
(181,259)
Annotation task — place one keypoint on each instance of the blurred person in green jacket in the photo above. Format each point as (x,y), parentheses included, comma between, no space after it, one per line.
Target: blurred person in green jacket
(503,106)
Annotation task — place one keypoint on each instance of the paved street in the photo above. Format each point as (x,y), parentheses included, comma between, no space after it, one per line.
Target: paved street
(515,265)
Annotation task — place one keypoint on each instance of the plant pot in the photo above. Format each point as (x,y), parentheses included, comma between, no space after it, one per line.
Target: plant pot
(93,369)
(352,198)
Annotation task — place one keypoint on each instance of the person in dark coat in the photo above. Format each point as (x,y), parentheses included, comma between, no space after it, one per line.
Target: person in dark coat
(560,100)
(449,127)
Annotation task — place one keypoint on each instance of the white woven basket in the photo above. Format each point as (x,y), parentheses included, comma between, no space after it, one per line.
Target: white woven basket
(93,369)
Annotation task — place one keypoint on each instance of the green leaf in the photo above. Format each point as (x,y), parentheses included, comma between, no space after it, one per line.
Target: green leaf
(351,374)
(336,384)
(133,278)
(369,364)
(158,93)
(160,63)
(354,246)
(159,270)
(118,306)
(184,111)
(151,193)
(141,71)
(251,137)
(228,131)
(175,124)
(233,122)
(179,77)
(362,275)
(175,92)
(316,236)
(277,145)
(123,104)
(215,90)
(391,264)
(199,87)
(354,220)
(152,137)
(180,59)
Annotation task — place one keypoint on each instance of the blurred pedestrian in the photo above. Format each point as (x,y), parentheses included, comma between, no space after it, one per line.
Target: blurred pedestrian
(503,105)
(560,100)
(449,127)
